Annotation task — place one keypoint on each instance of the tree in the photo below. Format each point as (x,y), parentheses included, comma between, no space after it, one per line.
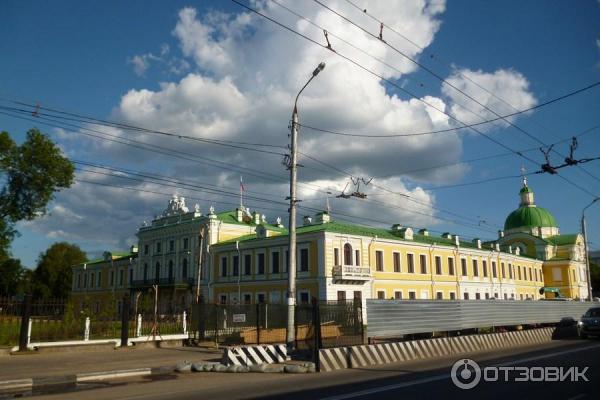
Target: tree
(11,275)
(30,174)
(53,275)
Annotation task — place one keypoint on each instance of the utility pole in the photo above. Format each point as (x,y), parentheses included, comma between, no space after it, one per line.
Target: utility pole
(293,167)
(199,272)
(585,248)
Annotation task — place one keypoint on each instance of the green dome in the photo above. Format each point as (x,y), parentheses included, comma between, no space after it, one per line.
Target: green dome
(530,217)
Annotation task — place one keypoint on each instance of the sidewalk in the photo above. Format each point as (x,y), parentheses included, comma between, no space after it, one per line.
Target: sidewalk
(33,364)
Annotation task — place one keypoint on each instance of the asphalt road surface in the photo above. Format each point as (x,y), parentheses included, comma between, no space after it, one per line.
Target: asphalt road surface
(423,380)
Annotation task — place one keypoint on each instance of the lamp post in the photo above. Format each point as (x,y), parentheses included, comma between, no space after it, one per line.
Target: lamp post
(585,248)
(293,166)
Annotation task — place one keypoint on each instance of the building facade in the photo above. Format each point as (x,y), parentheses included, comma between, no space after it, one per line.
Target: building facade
(240,257)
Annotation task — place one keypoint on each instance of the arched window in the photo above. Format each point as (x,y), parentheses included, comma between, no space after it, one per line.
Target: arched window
(347,254)
(157,272)
(145,271)
(170,269)
(184,269)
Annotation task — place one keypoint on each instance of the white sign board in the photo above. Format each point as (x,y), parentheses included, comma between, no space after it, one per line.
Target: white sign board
(239,317)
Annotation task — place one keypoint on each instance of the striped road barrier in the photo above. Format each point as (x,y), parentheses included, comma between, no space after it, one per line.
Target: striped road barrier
(383,353)
(259,354)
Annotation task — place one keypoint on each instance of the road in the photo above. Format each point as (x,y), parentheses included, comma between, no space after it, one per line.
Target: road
(424,379)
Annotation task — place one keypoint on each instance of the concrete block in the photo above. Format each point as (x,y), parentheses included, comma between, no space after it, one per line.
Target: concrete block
(295,369)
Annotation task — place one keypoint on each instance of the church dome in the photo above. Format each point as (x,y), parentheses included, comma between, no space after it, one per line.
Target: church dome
(530,217)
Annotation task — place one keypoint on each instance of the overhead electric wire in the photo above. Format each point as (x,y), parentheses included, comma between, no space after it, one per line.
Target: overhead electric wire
(379,76)
(498,117)
(444,81)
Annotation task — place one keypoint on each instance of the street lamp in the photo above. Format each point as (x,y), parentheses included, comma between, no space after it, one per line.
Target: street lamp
(585,247)
(291,292)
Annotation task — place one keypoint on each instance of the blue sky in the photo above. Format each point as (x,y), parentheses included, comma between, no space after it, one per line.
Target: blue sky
(77,56)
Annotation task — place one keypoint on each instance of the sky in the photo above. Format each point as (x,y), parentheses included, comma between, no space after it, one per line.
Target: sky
(214,70)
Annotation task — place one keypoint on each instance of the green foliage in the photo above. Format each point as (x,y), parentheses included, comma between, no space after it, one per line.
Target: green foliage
(30,174)
(53,275)
(11,275)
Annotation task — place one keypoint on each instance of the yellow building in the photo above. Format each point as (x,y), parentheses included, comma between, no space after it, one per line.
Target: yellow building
(244,260)
(103,281)
(339,261)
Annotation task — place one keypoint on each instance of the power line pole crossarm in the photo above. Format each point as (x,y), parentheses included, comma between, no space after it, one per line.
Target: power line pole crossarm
(293,167)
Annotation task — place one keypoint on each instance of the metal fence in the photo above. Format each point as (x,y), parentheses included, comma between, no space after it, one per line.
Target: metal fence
(340,324)
(390,318)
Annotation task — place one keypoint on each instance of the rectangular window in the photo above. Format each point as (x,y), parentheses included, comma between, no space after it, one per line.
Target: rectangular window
(536,275)
(112,278)
(275,262)
(463,265)
(336,256)
(438,265)
(146,249)
(510,271)
(494,272)
(130,276)
(484,266)
(248,264)
(531,275)
(397,295)
(158,247)
(397,262)
(236,265)
(186,243)
(519,271)
(171,245)
(78,281)
(357,296)
(487,296)
(260,298)
(121,277)
(412,295)
(304,298)
(357,258)
(439,296)
(223,266)
(495,295)
(223,299)
(379,260)
(261,264)
(452,296)
(85,280)
(247,298)
(99,283)
(477,296)
(410,262)
(381,294)
(450,266)
(303,260)
(466,295)
(92,279)
(341,295)
(423,262)
(503,271)
(475,268)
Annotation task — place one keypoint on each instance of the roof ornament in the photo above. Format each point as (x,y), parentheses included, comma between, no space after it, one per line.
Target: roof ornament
(278,220)
(197,207)
(523,175)
(211,210)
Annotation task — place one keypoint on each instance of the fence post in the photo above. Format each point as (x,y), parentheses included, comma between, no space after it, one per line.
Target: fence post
(86,332)
(316,321)
(257,323)
(25,318)
(138,330)
(184,322)
(125,321)
(217,312)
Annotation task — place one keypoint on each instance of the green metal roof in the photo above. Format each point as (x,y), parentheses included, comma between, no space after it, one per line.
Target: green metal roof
(230,217)
(562,240)
(352,229)
(528,216)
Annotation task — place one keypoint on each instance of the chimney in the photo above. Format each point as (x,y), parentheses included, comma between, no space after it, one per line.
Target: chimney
(447,235)
(256,218)
(322,217)
(307,220)
(406,233)
(424,232)
(133,249)
(263,219)
(456,240)
(239,214)
(477,242)
(500,234)
(497,246)
(396,227)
